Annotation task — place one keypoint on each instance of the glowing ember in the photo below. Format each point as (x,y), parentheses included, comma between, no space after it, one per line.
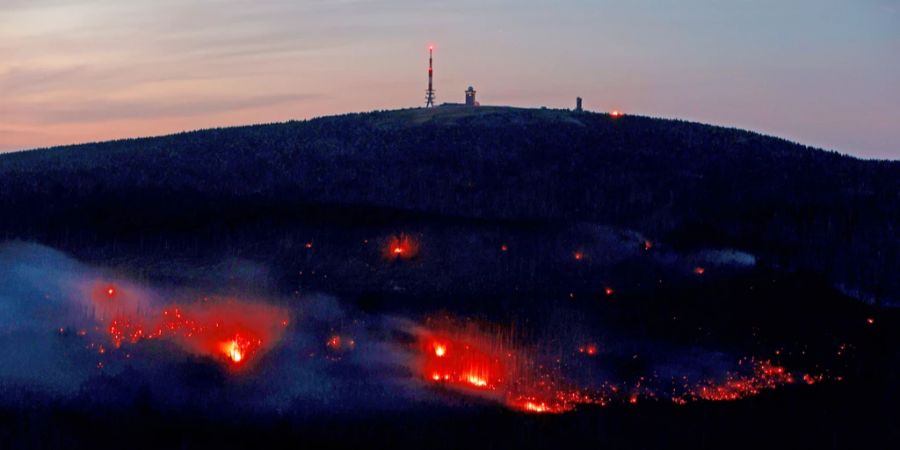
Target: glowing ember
(648,245)
(699,270)
(616,113)
(111,292)
(339,344)
(765,376)
(590,350)
(401,247)
(870,321)
(609,291)
(334,343)
(578,256)
(439,350)
(504,248)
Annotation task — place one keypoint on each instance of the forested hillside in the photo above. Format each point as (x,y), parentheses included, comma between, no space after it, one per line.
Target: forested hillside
(688,185)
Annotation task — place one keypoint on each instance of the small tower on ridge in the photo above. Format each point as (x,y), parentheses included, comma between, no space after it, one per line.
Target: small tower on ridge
(470,97)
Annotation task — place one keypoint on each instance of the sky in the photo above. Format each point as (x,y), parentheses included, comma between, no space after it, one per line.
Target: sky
(825,73)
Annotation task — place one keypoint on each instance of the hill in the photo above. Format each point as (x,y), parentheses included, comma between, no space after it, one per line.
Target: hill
(687,185)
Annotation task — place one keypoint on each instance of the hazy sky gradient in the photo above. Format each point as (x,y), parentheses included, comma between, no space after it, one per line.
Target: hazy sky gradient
(820,72)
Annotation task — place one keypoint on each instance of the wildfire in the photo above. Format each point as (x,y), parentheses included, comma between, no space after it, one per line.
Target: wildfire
(469,359)
(227,329)
(699,270)
(490,365)
(609,291)
(616,113)
(578,255)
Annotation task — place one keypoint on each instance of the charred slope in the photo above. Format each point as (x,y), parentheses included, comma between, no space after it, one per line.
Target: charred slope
(686,184)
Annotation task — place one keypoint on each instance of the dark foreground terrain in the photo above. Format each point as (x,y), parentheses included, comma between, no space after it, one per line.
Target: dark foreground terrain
(678,248)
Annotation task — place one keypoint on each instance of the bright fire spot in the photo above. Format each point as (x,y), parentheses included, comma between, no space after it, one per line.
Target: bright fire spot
(475,380)
(536,407)
(609,291)
(309,245)
(616,113)
(579,256)
(870,321)
(699,270)
(401,247)
(440,350)
(648,244)
(111,291)
(504,248)
(233,350)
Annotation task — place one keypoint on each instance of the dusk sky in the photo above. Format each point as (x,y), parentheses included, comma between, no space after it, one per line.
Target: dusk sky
(824,73)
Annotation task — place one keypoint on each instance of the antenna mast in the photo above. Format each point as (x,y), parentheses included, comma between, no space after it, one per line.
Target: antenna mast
(429,94)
